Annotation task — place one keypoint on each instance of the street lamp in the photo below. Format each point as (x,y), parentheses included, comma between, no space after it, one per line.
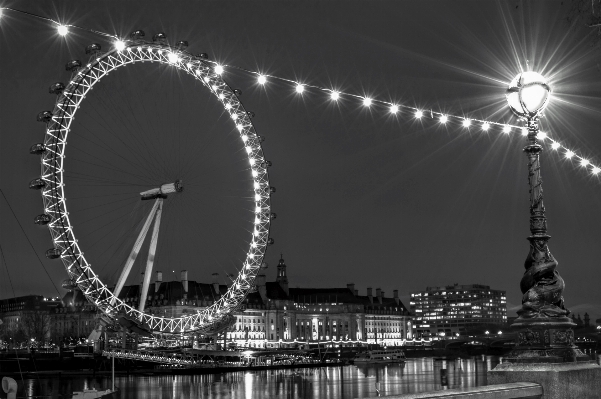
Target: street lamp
(546,333)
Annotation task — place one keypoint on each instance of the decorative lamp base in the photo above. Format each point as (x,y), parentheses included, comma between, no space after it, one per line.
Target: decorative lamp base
(545,354)
(545,340)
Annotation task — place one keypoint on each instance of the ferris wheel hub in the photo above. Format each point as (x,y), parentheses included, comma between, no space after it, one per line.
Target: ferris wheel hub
(161,192)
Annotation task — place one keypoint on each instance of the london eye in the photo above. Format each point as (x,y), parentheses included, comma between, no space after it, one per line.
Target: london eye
(145,187)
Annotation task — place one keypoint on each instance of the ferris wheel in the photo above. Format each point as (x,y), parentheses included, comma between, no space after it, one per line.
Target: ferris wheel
(160,198)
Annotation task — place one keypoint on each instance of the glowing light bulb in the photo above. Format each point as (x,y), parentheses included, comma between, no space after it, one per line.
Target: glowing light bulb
(506,129)
(485,126)
(596,170)
(569,154)
(245,138)
(467,123)
(120,45)
(218,69)
(334,95)
(239,126)
(418,114)
(367,101)
(262,79)
(444,119)
(258,209)
(555,145)
(173,58)
(584,162)
(541,135)
(228,106)
(206,79)
(248,149)
(255,173)
(251,161)
(524,131)
(300,88)
(62,30)
(394,109)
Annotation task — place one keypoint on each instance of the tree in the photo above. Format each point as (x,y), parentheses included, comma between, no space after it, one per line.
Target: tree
(36,325)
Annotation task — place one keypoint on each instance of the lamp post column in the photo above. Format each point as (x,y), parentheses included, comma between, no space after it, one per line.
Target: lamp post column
(545,352)
(546,333)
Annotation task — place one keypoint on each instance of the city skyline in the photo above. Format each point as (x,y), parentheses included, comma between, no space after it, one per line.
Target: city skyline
(363,198)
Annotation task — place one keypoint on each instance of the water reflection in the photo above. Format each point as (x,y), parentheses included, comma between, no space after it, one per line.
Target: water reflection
(416,375)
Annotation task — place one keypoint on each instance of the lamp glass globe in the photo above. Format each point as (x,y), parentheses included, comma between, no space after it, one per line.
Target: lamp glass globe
(528,94)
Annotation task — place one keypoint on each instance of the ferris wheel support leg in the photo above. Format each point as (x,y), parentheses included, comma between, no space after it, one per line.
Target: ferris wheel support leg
(134,252)
(151,254)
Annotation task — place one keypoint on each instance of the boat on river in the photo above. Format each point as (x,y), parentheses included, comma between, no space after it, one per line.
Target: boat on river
(380,356)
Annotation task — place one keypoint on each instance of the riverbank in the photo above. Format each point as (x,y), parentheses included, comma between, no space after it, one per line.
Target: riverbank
(136,368)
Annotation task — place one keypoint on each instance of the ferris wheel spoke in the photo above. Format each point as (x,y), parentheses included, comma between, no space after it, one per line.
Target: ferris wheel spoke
(135,158)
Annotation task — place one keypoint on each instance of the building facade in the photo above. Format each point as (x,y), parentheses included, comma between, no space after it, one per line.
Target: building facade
(275,315)
(279,316)
(451,310)
(73,319)
(26,317)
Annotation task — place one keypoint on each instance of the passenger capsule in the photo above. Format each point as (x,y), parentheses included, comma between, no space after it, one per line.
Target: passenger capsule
(68,284)
(181,45)
(53,253)
(73,65)
(44,116)
(204,55)
(270,241)
(37,149)
(266,164)
(271,190)
(160,38)
(56,88)
(37,184)
(42,219)
(264,265)
(93,48)
(260,138)
(250,114)
(273,215)
(238,92)
(135,35)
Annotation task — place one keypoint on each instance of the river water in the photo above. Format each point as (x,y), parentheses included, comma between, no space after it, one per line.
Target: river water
(416,375)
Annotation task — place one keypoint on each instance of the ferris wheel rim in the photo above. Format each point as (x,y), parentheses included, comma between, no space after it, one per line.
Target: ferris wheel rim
(54,199)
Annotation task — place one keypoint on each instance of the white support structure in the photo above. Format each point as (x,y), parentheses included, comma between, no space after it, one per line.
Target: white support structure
(134,252)
(151,253)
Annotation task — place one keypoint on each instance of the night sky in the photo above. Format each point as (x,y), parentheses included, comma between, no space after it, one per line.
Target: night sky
(362,196)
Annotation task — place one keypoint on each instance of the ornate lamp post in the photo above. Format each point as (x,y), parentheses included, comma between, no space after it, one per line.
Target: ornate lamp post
(546,334)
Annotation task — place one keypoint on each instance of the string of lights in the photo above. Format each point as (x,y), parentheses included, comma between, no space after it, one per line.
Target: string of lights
(336,95)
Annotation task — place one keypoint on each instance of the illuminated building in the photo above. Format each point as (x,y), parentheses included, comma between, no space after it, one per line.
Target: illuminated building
(278,316)
(451,310)
(275,315)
